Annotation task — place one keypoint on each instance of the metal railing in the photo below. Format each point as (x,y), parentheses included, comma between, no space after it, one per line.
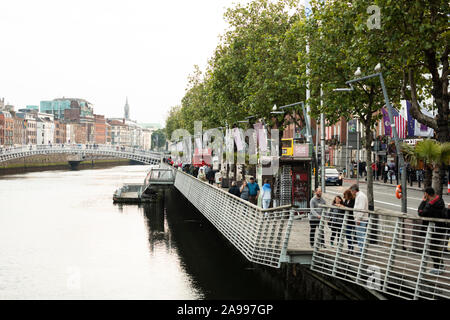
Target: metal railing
(397,254)
(261,235)
(145,156)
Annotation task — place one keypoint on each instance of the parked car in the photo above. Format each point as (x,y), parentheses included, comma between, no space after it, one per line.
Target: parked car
(333,176)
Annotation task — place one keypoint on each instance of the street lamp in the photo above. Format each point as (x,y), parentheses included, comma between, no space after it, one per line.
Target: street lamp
(391,119)
(357,150)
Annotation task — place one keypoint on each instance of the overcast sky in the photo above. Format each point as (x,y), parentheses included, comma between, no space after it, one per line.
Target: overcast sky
(103,51)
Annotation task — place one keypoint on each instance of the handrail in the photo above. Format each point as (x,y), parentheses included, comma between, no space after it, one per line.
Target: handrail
(146,156)
(396,254)
(288,206)
(384,213)
(261,237)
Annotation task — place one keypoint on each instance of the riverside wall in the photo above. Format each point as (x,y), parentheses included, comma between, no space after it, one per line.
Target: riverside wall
(55,162)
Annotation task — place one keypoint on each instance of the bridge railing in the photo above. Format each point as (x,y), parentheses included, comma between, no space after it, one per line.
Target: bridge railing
(147,156)
(261,235)
(74,146)
(399,254)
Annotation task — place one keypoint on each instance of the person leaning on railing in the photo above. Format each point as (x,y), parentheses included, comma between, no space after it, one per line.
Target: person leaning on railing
(349,202)
(361,217)
(315,215)
(432,206)
(336,218)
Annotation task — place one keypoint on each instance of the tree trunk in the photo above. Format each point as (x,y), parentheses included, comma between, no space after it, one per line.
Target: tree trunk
(428,176)
(436,180)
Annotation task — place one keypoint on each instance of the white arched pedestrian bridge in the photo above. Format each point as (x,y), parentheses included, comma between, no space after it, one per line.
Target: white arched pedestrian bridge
(81,151)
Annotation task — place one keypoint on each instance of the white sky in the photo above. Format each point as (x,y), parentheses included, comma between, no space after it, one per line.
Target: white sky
(103,51)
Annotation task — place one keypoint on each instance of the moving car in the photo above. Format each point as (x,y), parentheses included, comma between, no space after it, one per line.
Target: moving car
(332,176)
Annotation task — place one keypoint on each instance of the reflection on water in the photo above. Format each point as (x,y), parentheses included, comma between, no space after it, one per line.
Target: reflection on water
(61,237)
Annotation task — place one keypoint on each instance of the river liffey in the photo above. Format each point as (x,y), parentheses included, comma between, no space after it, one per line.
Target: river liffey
(61,237)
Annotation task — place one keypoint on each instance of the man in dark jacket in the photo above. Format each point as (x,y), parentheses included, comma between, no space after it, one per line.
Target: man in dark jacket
(234,189)
(432,206)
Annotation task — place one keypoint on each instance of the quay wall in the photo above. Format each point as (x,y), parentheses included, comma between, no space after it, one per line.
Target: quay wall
(298,282)
(55,162)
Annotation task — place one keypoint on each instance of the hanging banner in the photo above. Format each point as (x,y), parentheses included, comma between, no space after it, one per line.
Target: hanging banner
(261,136)
(238,139)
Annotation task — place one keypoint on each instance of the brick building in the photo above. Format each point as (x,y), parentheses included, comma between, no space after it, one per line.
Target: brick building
(6,129)
(100,129)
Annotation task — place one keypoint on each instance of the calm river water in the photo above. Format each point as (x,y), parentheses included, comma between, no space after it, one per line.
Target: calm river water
(61,237)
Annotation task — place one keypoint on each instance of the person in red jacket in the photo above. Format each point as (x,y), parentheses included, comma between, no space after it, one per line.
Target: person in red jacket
(375,170)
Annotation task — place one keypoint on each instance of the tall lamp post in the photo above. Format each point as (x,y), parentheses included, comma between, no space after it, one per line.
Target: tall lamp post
(391,119)
(357,150)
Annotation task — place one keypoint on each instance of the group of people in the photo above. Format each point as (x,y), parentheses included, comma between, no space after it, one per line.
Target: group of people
(250,191)
(356,224)
(388,171)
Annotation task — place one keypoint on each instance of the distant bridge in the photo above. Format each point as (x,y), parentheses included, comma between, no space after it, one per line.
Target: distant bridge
(79,152)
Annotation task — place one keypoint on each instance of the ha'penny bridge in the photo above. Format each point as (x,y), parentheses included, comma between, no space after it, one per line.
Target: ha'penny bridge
(79,152)
(397,259)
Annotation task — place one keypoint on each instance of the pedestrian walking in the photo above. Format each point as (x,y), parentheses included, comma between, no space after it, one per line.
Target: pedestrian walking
(266,194)
(385,172)
(234,189)
(314,216)
(253,188)
(432,206)
(244,190)
(361,217)
(375,170)
(336,219)
(210,175)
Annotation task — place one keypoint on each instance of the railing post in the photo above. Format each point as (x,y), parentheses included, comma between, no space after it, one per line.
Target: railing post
(363,251)
(340,243)
(284,257)
(422,260)
(321,230)
(392,252)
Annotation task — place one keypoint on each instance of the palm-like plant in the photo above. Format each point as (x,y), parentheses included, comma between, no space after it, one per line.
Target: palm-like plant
(434,156)
(410,155)
(429,152)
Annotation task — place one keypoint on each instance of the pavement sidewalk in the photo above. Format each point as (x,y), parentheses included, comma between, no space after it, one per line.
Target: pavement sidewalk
(394,184)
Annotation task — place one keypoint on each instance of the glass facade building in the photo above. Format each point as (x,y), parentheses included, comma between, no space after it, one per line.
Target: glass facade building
(57,107)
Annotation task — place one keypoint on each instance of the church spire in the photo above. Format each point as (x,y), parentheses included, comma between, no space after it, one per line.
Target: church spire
(127,110)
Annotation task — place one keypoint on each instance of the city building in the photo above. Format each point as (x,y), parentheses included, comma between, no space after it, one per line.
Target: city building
(60,132)
(19,134)
(100,129)
(6,128)
(45,129)
(108,133)
(120,134)
(30,126)
(58,107)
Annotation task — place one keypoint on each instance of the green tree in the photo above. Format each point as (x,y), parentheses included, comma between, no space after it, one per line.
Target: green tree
(340,43)
(417,41)
(418,37)
(158,139)
(435,156)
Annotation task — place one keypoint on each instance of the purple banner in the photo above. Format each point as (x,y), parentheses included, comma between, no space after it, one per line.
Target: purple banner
(386,122)
(411,120)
